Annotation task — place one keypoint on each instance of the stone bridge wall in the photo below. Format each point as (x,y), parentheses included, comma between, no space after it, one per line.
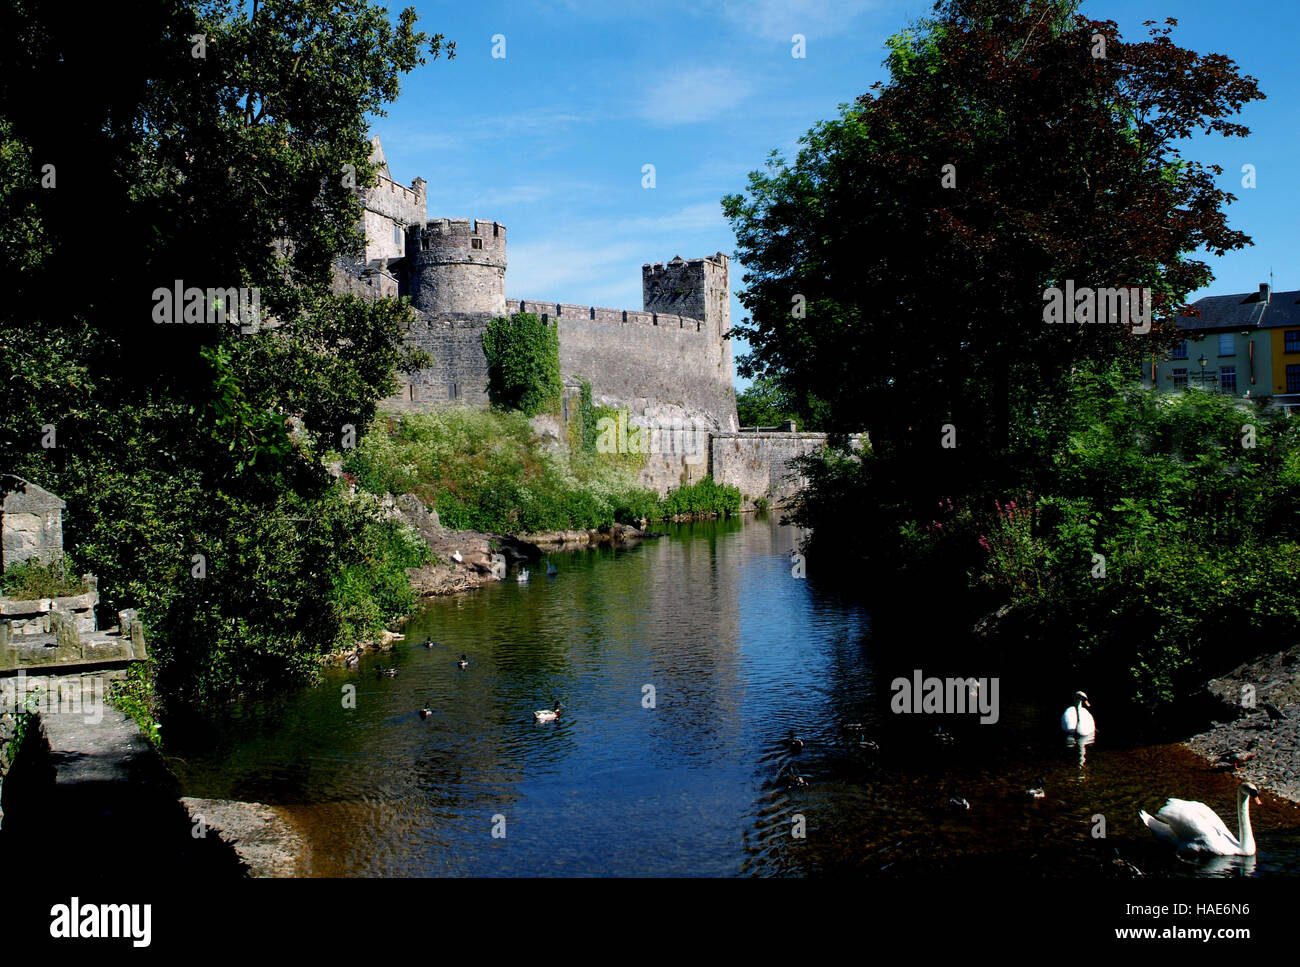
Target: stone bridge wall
(761,464)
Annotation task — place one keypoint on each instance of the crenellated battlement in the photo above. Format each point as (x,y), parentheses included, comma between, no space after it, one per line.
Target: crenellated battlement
(672,354)
(463,241)
(620,317)
(465,226)
(717,260)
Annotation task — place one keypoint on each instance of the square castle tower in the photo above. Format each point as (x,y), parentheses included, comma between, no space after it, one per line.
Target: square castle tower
(673,355)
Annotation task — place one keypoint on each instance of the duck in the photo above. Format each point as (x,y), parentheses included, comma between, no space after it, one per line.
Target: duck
(1231,760)
(522,576)
(547,714)
(1275,714)
(867,745)
(386,672)
(793,778)
(430,643)
(353,660)
(425,712)
(455,556)
(794,742)
(958,803)
(1076,719)
(942,737)
(551,570)
(1037,792)
(1193,827)
(463,663)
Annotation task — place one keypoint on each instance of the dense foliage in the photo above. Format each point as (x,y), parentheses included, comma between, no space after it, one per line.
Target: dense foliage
(487,471)
(889,293)
(523,355)
(765,403)
(191,455)
(898,271)
(1157,551)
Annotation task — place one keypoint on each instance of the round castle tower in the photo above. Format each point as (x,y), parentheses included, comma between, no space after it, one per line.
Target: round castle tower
(458,265)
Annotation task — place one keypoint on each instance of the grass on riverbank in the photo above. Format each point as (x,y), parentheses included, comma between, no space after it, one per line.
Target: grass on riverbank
(486,470)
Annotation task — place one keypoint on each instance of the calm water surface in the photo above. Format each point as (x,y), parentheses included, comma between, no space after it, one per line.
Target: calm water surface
(739,654)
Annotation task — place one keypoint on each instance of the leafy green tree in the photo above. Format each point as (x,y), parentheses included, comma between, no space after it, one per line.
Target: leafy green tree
(765,403)
(218,146)
(922,285)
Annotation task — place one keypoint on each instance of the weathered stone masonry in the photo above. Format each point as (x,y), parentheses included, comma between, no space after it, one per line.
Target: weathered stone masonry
(669,363)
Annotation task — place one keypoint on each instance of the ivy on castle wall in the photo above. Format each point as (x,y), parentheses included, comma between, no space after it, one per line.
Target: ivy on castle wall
(523,356)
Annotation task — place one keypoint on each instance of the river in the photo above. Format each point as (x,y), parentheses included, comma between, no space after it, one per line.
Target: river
(682,666)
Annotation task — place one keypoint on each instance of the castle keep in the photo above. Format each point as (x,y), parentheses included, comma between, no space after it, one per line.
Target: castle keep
(668,361)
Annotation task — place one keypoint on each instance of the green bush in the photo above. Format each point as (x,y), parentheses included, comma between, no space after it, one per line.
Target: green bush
(484,470)
(1199,536)
(28,580)
(135,695)
(703,499)
(523,356)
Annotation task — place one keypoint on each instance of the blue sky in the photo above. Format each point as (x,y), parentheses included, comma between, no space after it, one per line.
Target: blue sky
(551,139)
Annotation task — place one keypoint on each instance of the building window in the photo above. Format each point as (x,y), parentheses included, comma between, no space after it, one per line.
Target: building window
(1225,344)
(1293,378)
(1180,379)
(1228,379)
(476,243)
(1179,351)
(397,235)
(1293,340)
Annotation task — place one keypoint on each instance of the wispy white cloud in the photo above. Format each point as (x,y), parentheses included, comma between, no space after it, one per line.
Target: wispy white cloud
(781,19)
(694,94)
(495,198)
(571,271)
(699,217)
(598,261)
(424,139)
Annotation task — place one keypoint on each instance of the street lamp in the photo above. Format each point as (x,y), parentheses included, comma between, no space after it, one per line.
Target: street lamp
(1202,361)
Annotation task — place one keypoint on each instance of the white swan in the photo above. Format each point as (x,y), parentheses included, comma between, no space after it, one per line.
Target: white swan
(1076,719)
(1194,827)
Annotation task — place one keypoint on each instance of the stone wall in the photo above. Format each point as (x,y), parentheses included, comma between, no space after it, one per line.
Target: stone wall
(645,361)
(31,525)
(761,464)
(390,209)
(458,373)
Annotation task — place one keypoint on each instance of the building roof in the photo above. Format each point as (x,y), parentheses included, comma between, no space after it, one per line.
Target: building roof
(27,498)
(1232,313)
(377,157)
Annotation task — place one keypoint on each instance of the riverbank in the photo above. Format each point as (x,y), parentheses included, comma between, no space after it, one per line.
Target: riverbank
(86,769)
(1270,749)
(464,559)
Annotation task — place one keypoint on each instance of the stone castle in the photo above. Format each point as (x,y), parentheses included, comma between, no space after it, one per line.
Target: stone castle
(667,361)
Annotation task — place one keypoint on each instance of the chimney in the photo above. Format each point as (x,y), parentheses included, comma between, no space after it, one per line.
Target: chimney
(1263,292)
